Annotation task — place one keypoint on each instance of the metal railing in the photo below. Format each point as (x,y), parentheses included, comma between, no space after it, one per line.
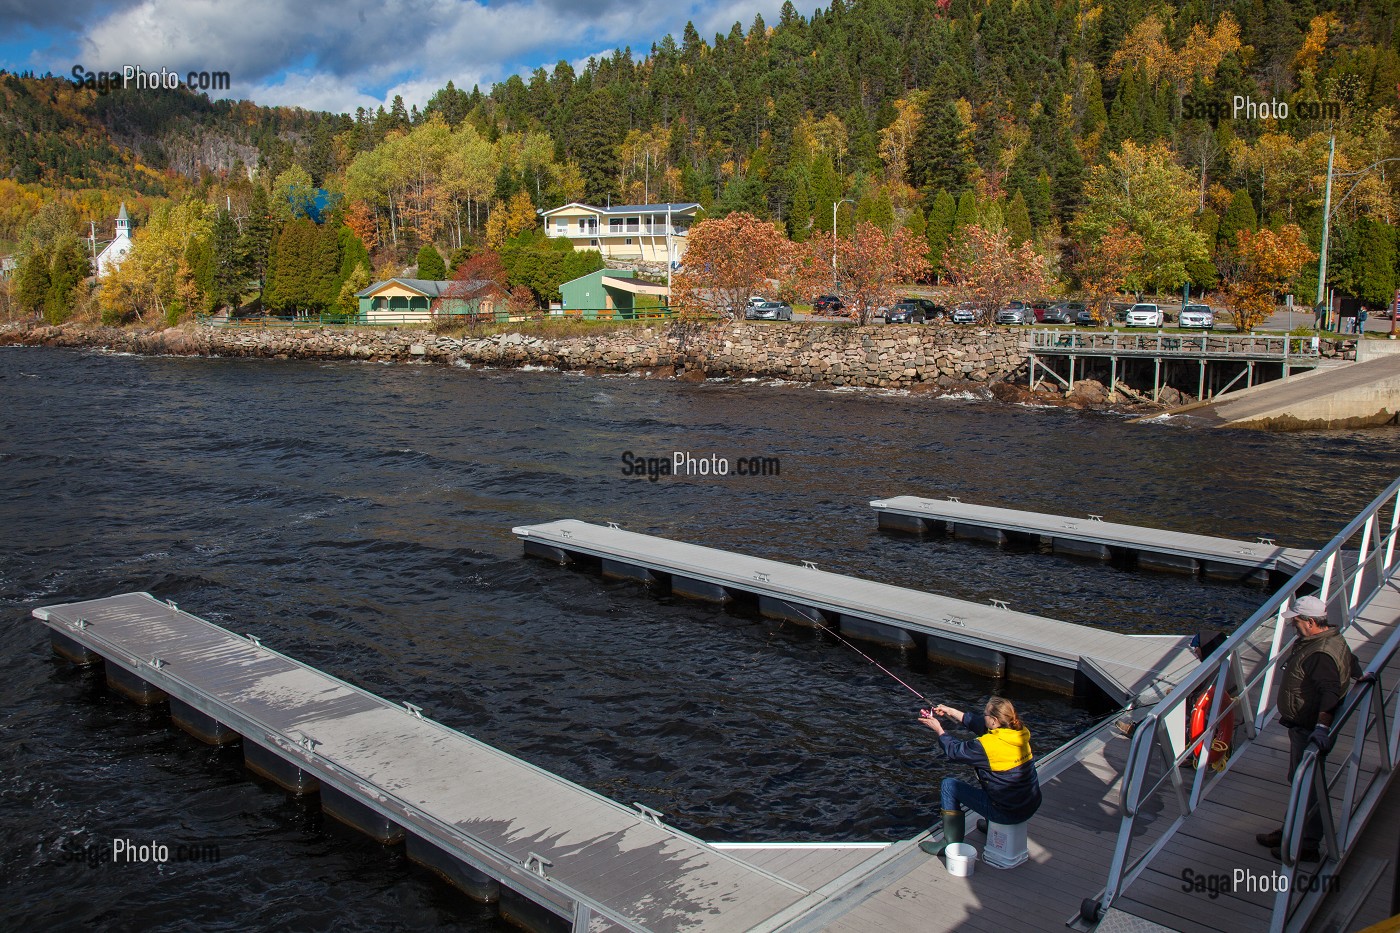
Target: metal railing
(1257,346)
(1242,672)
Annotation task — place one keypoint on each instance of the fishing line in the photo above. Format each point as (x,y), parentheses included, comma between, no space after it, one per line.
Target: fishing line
(825,628)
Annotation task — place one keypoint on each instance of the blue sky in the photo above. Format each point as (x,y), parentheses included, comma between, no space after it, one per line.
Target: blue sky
(342,54)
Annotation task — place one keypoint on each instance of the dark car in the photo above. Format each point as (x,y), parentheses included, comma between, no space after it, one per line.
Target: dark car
(1085,318)
(827,304)
(770,311)
(906,312)
(1062,312)
(932,311)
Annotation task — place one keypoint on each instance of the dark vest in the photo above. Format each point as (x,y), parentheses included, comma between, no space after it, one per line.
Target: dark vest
(1291,701)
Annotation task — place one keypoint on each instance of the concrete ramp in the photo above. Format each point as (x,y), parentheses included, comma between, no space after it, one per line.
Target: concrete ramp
(1355,395)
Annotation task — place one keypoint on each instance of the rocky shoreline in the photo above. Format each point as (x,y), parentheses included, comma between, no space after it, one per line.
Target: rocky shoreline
(938,360)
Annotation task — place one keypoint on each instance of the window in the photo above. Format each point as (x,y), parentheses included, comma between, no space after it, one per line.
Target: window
(627,242)
(592,242)
(561,227)
(615,225)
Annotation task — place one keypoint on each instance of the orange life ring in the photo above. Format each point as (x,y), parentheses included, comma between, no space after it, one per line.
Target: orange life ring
(1224,731)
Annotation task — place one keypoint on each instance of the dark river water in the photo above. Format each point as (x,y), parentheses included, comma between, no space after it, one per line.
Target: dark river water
(358,516)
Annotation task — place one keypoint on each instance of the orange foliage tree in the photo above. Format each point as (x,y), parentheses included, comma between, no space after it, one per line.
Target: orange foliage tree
(1266,260)
(727,259)
(1103,268)
(984,268)
(871,266)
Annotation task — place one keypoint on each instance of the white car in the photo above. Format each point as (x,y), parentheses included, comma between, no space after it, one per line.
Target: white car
(1197,316)
(1144,314)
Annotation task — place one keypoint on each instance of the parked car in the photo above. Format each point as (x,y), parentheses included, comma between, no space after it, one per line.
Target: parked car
(905,312)
(1062,312)
(1197,316)
(1085,318)
(966,313)
(770,311)
(1145,314)
(827,304)
(1016,312)
(1040,306)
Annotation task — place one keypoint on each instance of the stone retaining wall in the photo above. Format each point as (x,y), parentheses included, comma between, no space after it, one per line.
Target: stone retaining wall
(876,356)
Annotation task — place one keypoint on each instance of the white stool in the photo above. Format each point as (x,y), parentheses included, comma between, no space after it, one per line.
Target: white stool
(1006,845)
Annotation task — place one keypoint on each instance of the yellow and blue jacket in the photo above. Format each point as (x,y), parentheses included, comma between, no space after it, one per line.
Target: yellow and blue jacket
(1002,759)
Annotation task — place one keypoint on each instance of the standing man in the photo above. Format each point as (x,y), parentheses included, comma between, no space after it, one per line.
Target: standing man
(1315,676)
(1361,321)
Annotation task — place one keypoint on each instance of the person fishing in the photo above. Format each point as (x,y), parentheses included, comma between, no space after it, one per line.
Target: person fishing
(1000,753)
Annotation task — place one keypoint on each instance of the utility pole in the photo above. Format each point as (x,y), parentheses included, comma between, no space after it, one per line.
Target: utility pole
(1326,217)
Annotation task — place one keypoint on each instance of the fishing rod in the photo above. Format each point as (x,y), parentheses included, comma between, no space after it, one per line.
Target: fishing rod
(825,628)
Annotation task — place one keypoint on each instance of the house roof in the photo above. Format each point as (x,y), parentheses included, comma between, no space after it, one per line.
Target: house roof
(674,208)
(428,288)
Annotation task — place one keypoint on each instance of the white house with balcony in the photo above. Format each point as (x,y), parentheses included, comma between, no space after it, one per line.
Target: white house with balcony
(639,232)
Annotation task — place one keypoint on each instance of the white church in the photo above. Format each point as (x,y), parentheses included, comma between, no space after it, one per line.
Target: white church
(114,252)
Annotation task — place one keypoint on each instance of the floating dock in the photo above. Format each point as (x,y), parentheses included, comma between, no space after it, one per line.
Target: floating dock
(551,854)
(1092,537)
(992,639)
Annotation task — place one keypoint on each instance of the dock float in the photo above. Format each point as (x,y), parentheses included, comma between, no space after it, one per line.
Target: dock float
(550,854)
(991,639)
(1092,537)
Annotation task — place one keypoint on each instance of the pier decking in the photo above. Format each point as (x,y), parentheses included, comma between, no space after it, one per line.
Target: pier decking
(1091,536)
(992,638)
(557,855)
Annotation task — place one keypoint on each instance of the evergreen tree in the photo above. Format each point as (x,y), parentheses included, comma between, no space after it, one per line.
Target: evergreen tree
(915,223)
(1372,265)
(1238,216)
(941,218)
(255,242)
(430,264)
(32,282)
(228,278)
(941,155)
(800,214)
(199,258)
(68,266)
(1018,222)
(826,190)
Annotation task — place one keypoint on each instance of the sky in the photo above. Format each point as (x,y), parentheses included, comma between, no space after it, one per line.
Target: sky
(337,55)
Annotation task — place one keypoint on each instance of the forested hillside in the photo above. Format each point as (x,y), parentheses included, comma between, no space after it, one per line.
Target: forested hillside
(1057,121)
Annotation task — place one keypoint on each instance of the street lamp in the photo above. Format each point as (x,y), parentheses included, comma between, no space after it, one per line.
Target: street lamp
(834,206)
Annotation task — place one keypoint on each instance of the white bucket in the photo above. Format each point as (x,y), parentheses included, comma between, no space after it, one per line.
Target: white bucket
(961,859)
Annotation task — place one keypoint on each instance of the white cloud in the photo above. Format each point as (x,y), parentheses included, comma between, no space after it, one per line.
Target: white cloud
(340,54)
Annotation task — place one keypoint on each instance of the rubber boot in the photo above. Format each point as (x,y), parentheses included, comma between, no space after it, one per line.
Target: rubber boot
(954,825)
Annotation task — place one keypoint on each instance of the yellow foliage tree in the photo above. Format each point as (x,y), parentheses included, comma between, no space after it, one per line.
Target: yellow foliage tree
(509,220)
(1267,262)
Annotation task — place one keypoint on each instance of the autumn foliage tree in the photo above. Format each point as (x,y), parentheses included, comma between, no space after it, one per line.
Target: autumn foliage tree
(871,265)
(1267,260)
(984,268)
(727,259)
(1104,267)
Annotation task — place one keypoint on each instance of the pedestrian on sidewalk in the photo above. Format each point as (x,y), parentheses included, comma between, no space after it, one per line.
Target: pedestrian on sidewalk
(1316,673)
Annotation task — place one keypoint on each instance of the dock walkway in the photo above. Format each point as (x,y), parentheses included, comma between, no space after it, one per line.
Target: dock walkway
(1018,645)
(556,854)
(1072,839)
(1091,536)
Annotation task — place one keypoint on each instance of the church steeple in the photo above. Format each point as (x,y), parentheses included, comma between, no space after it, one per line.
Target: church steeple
(123,222)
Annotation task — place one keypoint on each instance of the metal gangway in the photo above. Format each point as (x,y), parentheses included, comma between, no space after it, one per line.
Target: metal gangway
(1159,797)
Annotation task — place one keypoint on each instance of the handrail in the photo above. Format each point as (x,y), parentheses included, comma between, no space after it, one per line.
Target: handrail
(1249,660)
(1271,346)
